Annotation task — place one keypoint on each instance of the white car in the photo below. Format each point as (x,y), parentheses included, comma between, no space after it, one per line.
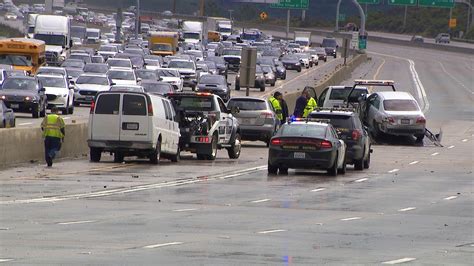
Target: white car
(120,63)
(188,71)
(152,64)
(133,124)
(58,92)
(88,85)
(171,76)
(304,59)
(122,77)
(11,16)
(107,51)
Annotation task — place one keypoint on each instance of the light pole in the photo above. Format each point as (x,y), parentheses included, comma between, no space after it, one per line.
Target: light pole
(137,20)
(362,17)
(337,15)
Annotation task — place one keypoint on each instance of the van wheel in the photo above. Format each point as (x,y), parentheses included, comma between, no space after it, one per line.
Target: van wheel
(213,154)
(234,150)
(155,155)
(95,154)
(177,157)
(118,157)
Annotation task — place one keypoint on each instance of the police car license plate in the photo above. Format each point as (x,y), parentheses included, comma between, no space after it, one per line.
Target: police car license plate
(405,121)
(14,105)
(299,155)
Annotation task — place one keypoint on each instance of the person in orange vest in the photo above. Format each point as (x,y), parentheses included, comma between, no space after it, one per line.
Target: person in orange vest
(53,128)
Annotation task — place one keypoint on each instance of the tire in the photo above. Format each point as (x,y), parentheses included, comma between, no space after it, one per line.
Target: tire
(71,109)
(193,88)
(273,84)
(95,154)
(155,155)
(201,156)
(237,87)
(284,77)
(234,150)
(272,169)
(176,157)
(262,89)
(333,170)
(77,104)
(359,164)
(65,111)
(13,123)
(118,157)
(212,156)
(343,169)
(419,138)
(317,62)
(367,161)
(325,59)
(283,170)
(36,112)
(43,112)
(298,70)
(335,55)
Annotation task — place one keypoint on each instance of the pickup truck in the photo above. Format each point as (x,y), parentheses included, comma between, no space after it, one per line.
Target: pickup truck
(206,125)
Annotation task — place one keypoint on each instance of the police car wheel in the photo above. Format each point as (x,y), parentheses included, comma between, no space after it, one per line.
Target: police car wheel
(333,170)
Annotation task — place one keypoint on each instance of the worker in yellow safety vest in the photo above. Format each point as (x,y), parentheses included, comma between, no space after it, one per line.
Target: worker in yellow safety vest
(310,106)
(53,128)
(275,101)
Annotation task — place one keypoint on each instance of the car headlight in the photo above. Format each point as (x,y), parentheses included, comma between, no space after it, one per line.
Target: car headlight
(3,97)
(27,98)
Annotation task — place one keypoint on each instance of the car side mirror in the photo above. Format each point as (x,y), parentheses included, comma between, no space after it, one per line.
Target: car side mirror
(234,110)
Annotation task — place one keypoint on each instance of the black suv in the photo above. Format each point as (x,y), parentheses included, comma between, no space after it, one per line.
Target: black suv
(351,130)
(24,94)
(330,45)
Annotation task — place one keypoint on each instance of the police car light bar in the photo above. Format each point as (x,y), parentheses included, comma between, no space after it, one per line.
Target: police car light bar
(308,119)
(370,82)
(333,109)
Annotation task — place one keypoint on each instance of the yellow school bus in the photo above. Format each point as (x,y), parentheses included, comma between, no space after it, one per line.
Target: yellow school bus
(23,54)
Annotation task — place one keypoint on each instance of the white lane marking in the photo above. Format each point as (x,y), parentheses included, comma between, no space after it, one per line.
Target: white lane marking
(351,219)
(416,80)
(259,201)
(25,124)
(452,146)
(5,260)
(271,231)
(434,154)
(455,79)
(414,162)
(450,198)
(318,189)
(403,260)
(407,209)
(117,191)
(361,180)
(77,222)
(464,140)
(163,245)
(393,170)
(184,210)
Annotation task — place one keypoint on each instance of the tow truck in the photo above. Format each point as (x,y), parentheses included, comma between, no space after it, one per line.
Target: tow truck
(361,104)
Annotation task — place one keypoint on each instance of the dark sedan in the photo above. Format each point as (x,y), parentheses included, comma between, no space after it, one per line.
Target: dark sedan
(24,94)
(157,87)
(291,61)
(215,84)
(307,145)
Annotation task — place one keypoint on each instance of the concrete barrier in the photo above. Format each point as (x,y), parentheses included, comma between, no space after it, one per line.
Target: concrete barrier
(335,78)
(20,145)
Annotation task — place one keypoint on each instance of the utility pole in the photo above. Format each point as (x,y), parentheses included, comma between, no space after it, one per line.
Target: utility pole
(137,19)
(337,15)
(174,6)
(288,23)
(405,17)
(201,8)
(303,15)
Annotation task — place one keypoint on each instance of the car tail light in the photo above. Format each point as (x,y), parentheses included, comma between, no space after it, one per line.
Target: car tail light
(421,120)
(391,120)
(326,144)
(356,134)
(203,139)
(92,107)
(276,142)
(266,114)
(150,109)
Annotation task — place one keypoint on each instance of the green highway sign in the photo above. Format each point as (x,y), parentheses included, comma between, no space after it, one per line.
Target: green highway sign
(437,3)
(292,4)
(370,2)
(402,2)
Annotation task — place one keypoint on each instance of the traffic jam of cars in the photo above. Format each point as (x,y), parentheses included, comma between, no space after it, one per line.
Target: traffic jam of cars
(164,89)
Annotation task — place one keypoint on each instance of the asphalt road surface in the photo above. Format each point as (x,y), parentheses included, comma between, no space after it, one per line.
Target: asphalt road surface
(414,205)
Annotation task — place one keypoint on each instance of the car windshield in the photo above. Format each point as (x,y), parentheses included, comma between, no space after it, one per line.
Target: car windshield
(212,46)
(195,103)
(76,63)
(54,82)
(57,40)
(15,60)
(19,84)
(92,80)
(157,88)
(108,49)
(217,60)
(191,35)
(232,52)
(119,63)
(212,79)
(337,121)
(267,69)
(96,68)
(247,104)
(329,43)
(124,75)
(147,74)
(195,53)
(74,72)
(400,105)
(303,130)
(181,64)
(161,47)
(168,73)
(293,45)
(290,58)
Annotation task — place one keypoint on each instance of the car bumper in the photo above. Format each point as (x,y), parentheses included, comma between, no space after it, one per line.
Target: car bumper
(293,67)
(313,160)
(112,145)
(21,106)
(403,130)
(254,133)
(58,101)
(354,153)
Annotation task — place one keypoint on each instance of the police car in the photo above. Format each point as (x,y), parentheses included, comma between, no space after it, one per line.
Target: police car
(307,144)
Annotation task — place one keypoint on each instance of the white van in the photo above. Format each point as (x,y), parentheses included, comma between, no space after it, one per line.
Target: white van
(133,124)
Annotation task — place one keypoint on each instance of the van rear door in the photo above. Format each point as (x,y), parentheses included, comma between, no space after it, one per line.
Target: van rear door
(106,118)
(135,119)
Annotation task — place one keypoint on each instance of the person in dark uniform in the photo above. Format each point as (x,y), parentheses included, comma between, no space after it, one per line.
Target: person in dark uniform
(301,103)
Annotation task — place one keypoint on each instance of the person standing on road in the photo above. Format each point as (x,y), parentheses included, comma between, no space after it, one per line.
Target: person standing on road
(275,101)
(301,103)
(284,110)
(310,106)
(53,128)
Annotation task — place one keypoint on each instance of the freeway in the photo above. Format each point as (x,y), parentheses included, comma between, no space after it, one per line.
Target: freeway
(415,203)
